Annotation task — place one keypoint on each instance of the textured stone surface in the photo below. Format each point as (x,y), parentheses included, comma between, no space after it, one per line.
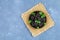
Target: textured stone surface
(12,26)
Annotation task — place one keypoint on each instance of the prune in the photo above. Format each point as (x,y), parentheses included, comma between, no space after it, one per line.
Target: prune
(37,19)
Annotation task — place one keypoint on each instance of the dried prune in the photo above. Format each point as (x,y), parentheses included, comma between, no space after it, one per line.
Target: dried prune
(37,19)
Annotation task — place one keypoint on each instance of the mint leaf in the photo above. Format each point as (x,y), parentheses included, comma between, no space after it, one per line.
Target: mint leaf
(43,16)
(33,13)
(30,21)
(37,21)
(37,27)
(41,13)
(44,23)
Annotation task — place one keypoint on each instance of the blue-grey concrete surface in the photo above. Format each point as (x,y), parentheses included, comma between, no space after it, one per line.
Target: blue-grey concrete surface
(12,26)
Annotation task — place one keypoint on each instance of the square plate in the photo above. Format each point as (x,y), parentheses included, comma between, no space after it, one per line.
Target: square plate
(49,23)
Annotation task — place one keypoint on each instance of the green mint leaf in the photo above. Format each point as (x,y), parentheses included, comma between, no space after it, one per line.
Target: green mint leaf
(33,13)
(37,21)
(30,21)
(40,13)
(43,16)
(44,23)
(37,27)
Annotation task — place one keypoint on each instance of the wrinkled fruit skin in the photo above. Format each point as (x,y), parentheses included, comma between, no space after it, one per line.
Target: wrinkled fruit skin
(37,16)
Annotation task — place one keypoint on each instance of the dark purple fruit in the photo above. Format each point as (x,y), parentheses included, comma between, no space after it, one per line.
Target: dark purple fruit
(38,19)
